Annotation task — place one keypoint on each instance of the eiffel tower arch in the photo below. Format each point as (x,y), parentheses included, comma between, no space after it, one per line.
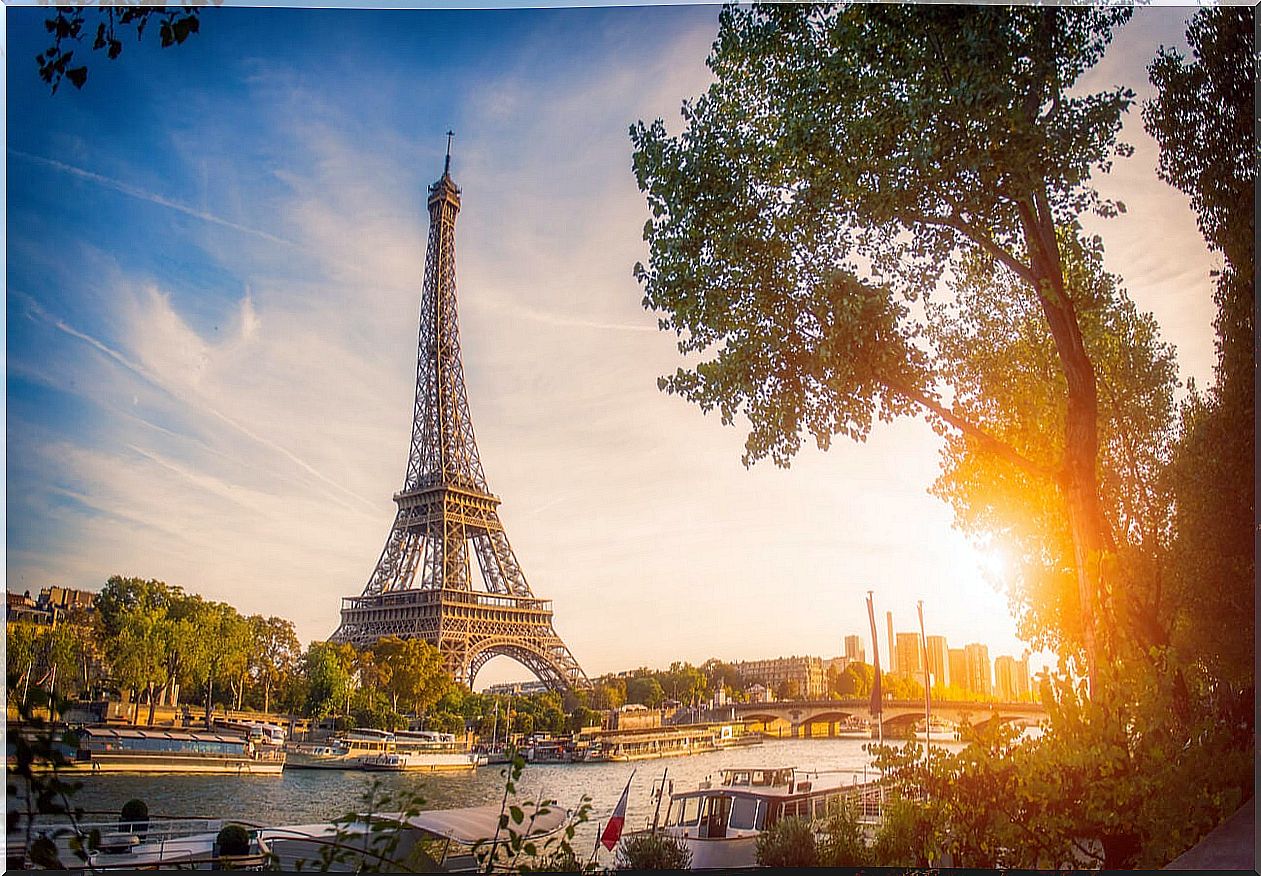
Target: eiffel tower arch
(447,573)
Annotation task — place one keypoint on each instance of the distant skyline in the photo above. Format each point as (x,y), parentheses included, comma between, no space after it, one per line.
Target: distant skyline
(214,267)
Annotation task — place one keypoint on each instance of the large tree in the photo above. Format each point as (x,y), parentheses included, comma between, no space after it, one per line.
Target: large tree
(1203,118)
(411,671)
(1000,361)
(845,160)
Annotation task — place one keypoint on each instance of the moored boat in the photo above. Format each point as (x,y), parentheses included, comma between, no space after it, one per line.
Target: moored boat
(937,729)
(445,839)
(159,750)
(720,824)
(345,752)
(853,728)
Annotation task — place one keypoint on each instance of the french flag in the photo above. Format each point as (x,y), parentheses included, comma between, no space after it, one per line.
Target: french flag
(613,830)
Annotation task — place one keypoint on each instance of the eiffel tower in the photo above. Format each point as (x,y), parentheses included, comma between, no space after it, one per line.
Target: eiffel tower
(423,584)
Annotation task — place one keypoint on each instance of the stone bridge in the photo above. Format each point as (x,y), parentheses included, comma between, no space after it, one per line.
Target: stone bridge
(804,719)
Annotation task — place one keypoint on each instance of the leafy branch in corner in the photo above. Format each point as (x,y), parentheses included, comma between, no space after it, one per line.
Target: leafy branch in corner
(36,789)
(517,821)
(69,26)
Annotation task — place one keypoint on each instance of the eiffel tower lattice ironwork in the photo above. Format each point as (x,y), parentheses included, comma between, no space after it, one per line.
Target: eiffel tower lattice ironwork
(447,521)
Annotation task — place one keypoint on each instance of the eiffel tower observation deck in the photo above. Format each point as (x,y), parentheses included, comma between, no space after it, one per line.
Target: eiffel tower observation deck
(447,523)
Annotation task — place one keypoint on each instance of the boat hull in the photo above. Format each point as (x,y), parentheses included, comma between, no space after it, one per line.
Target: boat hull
(143,763)
(299,761)
(713,854)
(438,764)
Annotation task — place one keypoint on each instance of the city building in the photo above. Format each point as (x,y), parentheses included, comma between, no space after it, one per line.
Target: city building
(958,669)
(633,716)
(20,607)
(1011,679)
(758,693)
(938,661)
(892,665)
(52,604)
(854,651)
(807,672)
(837,664)
(907,656)
(65,599)
(980,674)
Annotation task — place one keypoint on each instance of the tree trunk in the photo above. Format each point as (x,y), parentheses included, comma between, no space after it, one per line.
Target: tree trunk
(1092,537)
(210,691)
(267,696)
(153,703)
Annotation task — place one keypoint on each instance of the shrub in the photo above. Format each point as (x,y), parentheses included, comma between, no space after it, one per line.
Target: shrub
(233,840)
(134,815)
(653,852)
(789,843)
(843,842)
(908,836)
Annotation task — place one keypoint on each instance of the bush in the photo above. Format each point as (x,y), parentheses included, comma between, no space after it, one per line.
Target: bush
(843,842)
(789,843)
(907,836)
(134,817)
(233,840)
(653,852)
(565,860)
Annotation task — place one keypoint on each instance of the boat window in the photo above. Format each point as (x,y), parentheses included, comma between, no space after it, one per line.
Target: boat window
(743,813)
(689,810)
(759,820)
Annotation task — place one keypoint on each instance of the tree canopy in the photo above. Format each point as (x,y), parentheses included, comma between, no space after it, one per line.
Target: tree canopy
(845,160)
(1203,118)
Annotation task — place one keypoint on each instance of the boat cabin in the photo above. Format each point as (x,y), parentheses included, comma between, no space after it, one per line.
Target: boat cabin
(97,740)
(750,800)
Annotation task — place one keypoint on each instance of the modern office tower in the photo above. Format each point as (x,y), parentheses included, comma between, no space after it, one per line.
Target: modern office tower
(939,661)
(892,665)
(1011,679)
(980,674)
(959,669)
(854,651)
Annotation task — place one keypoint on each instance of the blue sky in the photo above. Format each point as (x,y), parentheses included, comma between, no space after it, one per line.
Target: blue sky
(214,263)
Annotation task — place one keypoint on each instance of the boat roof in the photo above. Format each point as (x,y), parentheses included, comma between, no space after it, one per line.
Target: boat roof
(480,822)
(154,733)
(466,826)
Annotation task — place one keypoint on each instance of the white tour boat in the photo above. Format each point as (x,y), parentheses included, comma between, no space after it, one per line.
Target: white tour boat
(348,751)
(720,824)
(393,842)
(424,751)
(936,730)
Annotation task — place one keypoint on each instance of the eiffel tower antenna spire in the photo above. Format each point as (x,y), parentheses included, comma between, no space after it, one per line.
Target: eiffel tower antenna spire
(447,573)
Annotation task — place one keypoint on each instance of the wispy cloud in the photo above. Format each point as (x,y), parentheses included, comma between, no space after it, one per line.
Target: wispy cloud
(199,402)
(150,197)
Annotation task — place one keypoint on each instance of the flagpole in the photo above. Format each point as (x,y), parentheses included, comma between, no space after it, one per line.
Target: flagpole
(928,717)
(877,699)
(599,831)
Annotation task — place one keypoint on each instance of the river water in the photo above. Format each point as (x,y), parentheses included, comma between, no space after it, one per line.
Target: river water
(306,796)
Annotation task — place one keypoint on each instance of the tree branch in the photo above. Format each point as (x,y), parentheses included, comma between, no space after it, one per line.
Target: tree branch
(975,432)
(981,239)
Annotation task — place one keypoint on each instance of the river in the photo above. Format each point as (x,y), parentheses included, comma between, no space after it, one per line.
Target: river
(305,796)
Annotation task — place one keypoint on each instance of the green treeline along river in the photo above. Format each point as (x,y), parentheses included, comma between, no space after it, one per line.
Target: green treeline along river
(305,796)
